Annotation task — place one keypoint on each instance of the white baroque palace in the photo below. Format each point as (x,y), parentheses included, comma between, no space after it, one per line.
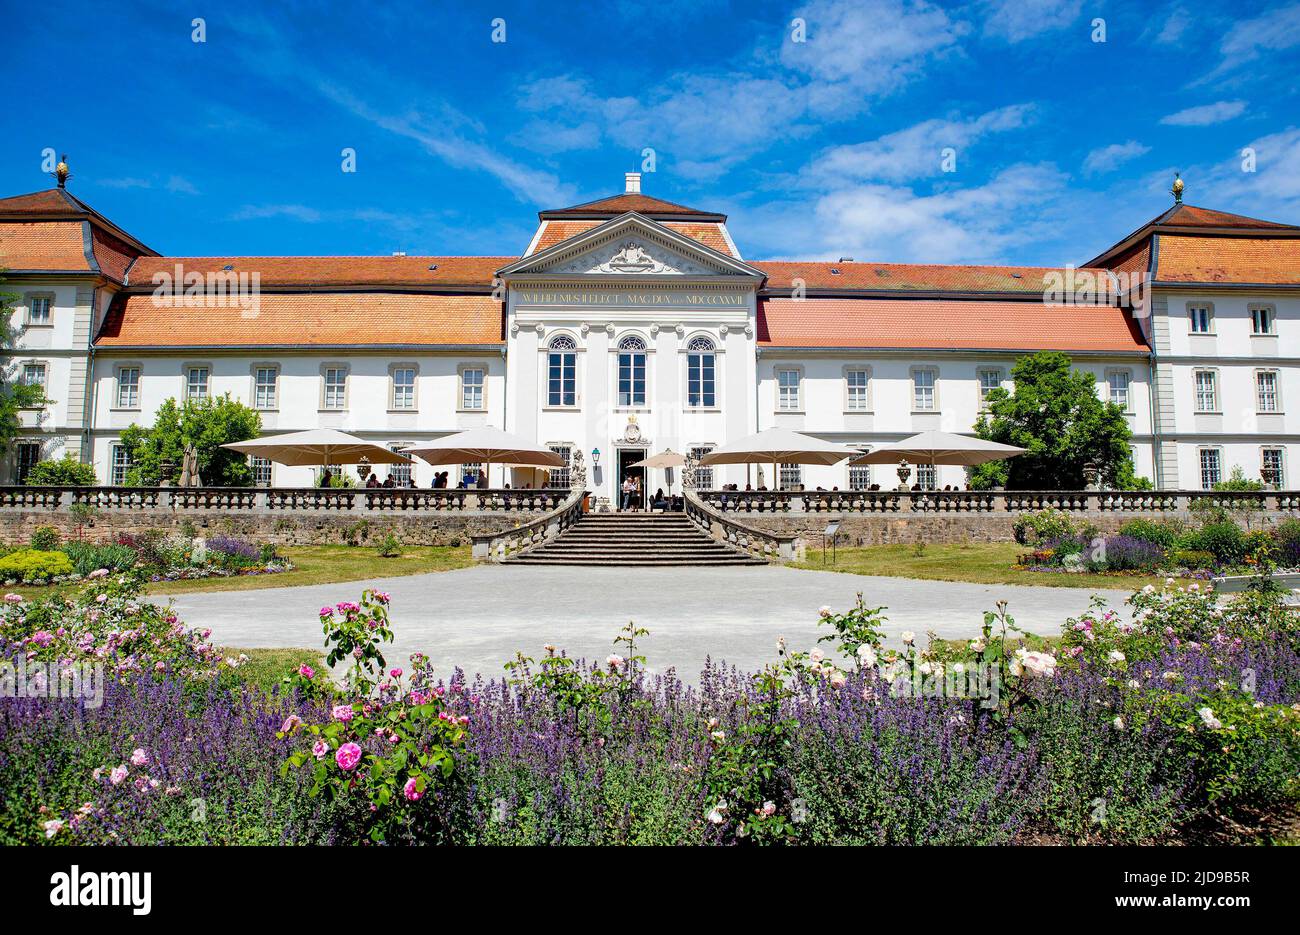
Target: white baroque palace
(631,325)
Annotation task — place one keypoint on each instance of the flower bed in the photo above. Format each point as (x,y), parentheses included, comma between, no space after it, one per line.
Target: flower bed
(1129,728)
(49,561)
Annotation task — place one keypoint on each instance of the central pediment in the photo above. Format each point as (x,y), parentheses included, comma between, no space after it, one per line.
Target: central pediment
(629,246)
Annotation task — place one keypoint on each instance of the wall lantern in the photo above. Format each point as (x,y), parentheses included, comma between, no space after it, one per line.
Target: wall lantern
(595,457)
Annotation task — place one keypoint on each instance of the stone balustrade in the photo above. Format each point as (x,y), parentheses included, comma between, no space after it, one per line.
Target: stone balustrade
(991,501)
(769,545)
(498,546)
(359,501)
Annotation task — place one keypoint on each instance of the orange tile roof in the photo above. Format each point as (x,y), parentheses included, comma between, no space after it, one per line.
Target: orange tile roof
(336,319)
(60,203)
(43,245)
(905,277)
(334,270)
(1181,215)
(620,204)
(945,323)
(1228,259)
(708,233)
(49,201)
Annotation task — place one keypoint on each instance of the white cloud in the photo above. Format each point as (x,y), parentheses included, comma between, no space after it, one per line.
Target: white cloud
(1174,28)
(872,45)
(126,182)
(181,185)
(1274,31)
(1107,158)
(891,223)
(913,153)
(1205,114)
(1018,20)
(295,212)
(1271,192)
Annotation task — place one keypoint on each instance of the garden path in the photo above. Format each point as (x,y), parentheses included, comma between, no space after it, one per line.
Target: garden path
(479,617)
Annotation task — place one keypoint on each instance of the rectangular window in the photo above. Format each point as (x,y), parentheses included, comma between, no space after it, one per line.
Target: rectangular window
(631,378)
(927,476)
(261,471)
(700,380)
(1261,320)
(128,388)
(120,464)
(856,381)
(403,387)
(787,382)
(1211,469)
(34,375)
(990,380)
(471,388)
(560,477)
(562,379)
(400,473)
(923,390)
(703,474)
(38,310)
(1207,391)
(1271,467)
(336,381)
(1199,319)
(860,477)
(29,455)
(196,383)
(1118,381)
(265,387)
(1266,394)
(791,477)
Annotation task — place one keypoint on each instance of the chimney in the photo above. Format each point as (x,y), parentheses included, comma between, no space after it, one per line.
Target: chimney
(632,183)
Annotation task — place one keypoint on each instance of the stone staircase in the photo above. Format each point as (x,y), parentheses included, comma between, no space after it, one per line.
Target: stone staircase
(634,539)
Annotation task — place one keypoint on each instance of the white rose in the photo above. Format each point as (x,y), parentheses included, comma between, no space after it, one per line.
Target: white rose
(1119,723)
(1115,656)
(908,637)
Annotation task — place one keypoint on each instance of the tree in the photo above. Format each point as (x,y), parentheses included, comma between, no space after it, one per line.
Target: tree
(68,471)
(15,396)
(207,424)
(1055,414)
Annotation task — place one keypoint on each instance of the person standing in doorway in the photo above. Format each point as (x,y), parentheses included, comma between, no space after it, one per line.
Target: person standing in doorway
(627,493)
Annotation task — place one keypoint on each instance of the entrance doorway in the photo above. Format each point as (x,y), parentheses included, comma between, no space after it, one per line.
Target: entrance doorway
(626,458)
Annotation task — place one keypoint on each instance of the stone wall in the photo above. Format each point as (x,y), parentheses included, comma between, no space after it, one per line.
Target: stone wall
(909,528)
(296,528)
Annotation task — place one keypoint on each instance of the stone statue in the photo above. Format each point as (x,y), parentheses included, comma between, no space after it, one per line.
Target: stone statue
(689,471)
(577,471)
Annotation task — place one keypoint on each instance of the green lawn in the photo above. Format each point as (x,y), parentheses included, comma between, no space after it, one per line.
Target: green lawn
(265,667)
(316,564)
(979,562)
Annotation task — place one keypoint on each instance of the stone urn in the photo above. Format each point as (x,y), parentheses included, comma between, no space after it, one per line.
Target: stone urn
(904,472)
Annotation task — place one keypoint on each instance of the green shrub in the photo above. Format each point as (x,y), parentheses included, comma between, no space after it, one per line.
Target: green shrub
(1194,559)
(87,557)
(34,565)
(45,539)
(1225,541)
(390,547)
(1033,528)
(65,472)
(1165,535)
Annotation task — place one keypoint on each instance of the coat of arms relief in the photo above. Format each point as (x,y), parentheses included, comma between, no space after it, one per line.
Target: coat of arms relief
(632,256)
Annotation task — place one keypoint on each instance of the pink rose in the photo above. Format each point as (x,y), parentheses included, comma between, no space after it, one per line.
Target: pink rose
(410,790)
(342,712)
(139,757)
(291,724)
(319,749)
(395,673)
(348,756)
(306,671)
(117,774)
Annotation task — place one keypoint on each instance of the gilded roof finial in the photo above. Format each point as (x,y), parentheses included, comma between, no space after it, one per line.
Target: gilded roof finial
(61,173)
(1177,190)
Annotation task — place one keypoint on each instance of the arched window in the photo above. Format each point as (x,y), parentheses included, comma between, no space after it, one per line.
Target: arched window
(701,369)
(562,370)
(631,371)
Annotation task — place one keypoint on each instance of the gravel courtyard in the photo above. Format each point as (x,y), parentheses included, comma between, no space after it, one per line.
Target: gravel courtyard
(478,617)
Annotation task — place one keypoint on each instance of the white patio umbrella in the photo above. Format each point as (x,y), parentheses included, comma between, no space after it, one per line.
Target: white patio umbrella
(779,446)
(317,446)
(487,445)
(666,459)
(939,448)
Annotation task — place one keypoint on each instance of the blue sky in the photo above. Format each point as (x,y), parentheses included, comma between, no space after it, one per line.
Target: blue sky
(828,147)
